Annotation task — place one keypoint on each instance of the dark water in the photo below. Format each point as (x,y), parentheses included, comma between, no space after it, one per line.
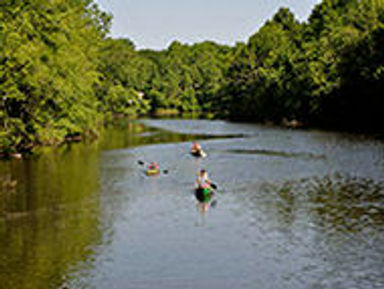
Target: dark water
(295,209)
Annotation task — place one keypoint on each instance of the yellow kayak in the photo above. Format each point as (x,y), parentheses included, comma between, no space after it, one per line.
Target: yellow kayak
(152,172)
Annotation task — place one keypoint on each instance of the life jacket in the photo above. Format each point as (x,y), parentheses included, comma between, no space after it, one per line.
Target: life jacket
(203,182)
(153,166)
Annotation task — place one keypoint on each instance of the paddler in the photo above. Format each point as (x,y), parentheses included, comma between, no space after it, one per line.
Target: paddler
(196,148)
(203,190)
(154,166)
(202,181)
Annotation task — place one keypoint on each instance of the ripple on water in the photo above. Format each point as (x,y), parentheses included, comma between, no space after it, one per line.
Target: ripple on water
(90,219)
(334,225)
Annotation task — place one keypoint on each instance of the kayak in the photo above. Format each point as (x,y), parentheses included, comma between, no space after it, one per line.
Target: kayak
(198,153)
(203,195)
(152,172)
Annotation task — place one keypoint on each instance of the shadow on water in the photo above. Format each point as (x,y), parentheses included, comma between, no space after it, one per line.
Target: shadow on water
(274,153)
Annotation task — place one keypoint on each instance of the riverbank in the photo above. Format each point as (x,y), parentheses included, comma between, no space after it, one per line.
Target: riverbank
(119,121)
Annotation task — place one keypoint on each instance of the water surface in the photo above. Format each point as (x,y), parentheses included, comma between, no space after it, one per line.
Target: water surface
(295,209)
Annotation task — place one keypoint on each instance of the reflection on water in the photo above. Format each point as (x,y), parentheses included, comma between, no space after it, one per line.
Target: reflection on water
(50,219)
(275,153)
(337,221)
(296,209)
(349,203)
(341,202)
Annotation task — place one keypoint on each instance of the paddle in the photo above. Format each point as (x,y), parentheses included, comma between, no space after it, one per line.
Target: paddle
(215,194)
(142,163)
(214,186)
(214,202)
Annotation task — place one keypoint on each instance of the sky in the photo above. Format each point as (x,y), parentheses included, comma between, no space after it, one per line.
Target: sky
(155,24)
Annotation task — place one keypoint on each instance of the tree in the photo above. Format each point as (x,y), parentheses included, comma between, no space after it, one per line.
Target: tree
(48,71)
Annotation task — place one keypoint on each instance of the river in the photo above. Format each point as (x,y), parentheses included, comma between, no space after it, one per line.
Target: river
(293,209)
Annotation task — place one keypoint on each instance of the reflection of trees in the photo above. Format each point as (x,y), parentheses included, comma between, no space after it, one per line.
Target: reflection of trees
(333,225)
(347,203)
(51,222)
(124,133)
(349,218)
(286,205)
(271,207)
(340,202)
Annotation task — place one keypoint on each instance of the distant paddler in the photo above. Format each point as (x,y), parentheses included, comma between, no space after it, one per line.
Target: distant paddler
(153,169)
(197,151)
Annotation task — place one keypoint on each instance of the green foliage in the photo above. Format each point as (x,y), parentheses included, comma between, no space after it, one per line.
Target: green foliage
(328,71)
(48,70)
(125,77)
(187,78)
(61,76)
(264,80)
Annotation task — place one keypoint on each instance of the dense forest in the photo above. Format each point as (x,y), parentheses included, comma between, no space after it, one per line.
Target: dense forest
(62,77)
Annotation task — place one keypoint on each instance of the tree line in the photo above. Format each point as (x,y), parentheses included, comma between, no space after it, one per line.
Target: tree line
(62,77)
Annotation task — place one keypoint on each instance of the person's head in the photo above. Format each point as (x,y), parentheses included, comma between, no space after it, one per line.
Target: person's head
(203,173)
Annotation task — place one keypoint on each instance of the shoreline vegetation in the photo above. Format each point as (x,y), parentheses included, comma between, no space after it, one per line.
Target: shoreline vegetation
(62,78)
